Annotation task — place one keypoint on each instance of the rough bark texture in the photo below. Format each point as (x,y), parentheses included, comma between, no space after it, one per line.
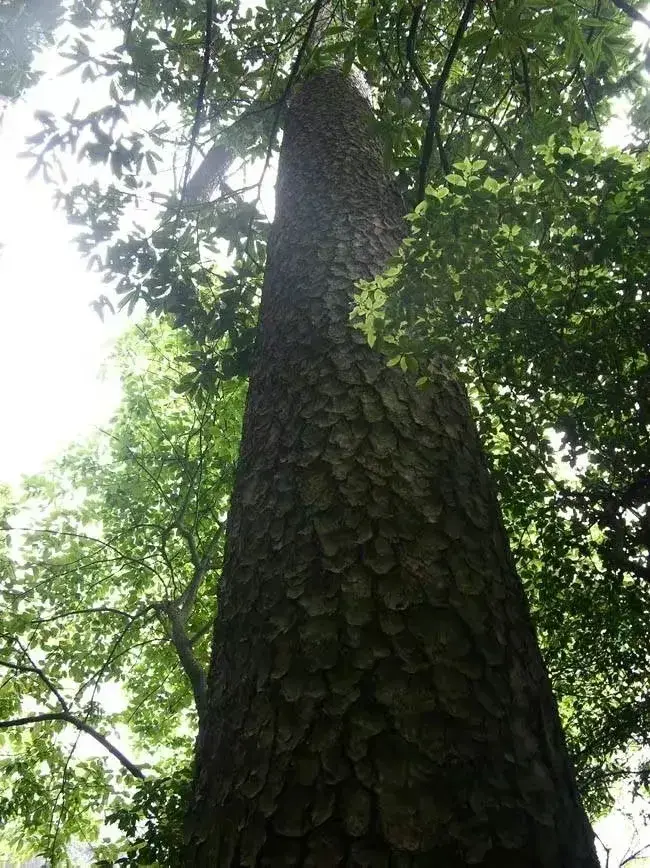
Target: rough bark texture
(377,697)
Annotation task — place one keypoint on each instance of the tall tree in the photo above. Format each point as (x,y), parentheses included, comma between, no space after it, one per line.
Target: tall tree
(376,691)
(454,85)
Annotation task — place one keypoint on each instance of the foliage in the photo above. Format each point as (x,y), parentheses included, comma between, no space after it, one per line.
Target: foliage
(514,72)
(537,292)
(152,822)
(109,601)
(25,27)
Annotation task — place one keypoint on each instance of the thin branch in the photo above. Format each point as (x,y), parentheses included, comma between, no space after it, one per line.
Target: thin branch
(112,655)
(293,73)
(188,661)
(82,725)
(188,597)
(637,854)
(40,673)
(102,544)
(488,120)
(434,93)
(607,850)
(213,168)
(524,70)
(131,21)
(380,45)
(98,610)
(631,12)
(590,102)
(200,98)
(62,795)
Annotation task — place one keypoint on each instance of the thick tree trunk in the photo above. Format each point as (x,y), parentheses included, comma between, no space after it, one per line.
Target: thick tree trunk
(377,697)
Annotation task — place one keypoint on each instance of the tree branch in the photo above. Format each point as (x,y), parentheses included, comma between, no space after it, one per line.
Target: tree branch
(488,120)
(130,22)
(293,73)
(631,12)
(188,661)
(434,93)
(66,717)
(98,610)
(201,568)
(36,670)
(212,170)
(200,97)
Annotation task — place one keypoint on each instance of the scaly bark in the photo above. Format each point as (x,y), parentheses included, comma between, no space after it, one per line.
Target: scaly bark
(376,696)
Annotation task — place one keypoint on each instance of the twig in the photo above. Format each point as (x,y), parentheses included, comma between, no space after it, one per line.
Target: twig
(632,857)
(488,120)
(98,610)
(590,101)
(201,568)
(40,673)
(293,72)
(524,70)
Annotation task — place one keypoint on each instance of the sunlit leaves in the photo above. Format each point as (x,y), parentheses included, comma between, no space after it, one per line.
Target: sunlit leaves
(119,531)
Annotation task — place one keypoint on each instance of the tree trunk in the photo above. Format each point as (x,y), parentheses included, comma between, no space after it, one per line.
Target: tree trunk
(377,696)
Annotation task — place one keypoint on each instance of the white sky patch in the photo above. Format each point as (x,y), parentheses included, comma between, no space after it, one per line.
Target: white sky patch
(52,344)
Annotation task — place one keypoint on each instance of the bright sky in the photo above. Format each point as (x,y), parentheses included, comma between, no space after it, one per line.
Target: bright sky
(52,344)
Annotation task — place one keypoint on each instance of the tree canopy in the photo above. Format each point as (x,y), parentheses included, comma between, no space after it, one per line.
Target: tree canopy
(525,267)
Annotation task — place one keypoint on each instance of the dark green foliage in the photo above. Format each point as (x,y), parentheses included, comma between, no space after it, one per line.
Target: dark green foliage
(152,822)
(537,291)
(520,72)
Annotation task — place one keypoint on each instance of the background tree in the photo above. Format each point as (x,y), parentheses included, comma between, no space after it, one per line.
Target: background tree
(109,602)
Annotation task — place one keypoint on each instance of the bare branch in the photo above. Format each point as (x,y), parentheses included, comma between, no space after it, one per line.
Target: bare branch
(98,610)
(188,661)
(188,597)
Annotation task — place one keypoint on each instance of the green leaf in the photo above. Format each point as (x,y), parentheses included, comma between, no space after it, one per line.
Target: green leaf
(456,180)
(492,185)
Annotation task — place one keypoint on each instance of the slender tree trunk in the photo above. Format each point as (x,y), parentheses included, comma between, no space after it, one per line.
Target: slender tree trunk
(377,697)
